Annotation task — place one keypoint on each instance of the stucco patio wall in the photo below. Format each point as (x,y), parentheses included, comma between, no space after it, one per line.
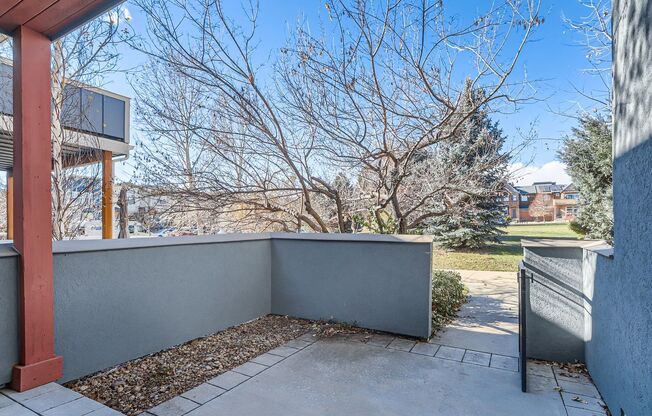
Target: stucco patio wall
(555,300)
(377,282)
(116,300)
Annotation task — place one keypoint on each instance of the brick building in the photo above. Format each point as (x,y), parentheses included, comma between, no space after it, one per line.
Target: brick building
(541,201)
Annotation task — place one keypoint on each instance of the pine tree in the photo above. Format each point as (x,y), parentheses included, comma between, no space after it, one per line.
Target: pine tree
(476,213)
(588,157)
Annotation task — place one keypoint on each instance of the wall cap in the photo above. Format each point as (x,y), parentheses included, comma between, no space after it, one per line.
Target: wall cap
(77,246)
(604,250)
(559,243)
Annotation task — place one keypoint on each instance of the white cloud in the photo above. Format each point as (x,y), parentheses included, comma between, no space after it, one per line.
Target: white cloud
(549,172)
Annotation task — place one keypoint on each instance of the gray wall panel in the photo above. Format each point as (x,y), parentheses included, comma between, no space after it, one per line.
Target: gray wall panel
(383,286)
(555,321)
(8,316)
(113,306)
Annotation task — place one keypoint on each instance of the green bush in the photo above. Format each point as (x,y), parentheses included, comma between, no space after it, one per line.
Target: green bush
(580,229)
(448,296)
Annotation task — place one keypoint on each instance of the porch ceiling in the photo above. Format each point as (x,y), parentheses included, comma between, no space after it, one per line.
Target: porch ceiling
(81,149)
(53,18)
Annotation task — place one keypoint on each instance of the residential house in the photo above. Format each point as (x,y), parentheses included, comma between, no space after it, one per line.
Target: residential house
(541,201)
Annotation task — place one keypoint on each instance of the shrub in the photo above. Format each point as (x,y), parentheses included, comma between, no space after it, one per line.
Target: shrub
(448,296)
(578,228)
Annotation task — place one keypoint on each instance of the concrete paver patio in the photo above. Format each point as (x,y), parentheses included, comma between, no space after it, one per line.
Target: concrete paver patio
(51,399)
(470,368)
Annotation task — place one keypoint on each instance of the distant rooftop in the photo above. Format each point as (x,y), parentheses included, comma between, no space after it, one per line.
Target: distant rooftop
(541,187)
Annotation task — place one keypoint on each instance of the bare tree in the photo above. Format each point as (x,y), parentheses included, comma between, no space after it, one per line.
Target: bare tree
(349,123)
(595,32)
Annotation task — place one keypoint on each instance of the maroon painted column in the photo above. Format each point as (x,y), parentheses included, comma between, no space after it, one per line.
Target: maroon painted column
(32,210)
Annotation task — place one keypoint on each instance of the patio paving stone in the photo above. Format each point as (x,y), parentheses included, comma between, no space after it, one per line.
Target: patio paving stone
(79,407)
(249,368)
(105,411)
(5,401)
(203,393)
(579,388)
(267,359)
(176,406)
(401,344)
(477,358)
(581,402)
(298,344)
(425,348)
(380,340)
(16,410)
(228,380)
(283,351)
(542,384)
(574,411)
(562,374)
(538,369)
(29,394)
(308,338)
(450,353)
(51,399)
(504,362)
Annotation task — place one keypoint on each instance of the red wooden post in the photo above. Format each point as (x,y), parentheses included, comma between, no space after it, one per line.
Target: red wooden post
(33,223)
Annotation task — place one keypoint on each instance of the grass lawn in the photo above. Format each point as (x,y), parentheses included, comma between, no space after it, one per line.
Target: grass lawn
(500,257)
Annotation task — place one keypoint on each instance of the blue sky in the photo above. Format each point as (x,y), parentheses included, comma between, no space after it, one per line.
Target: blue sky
(554,57)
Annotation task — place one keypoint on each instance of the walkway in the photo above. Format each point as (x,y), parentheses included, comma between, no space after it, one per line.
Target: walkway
(471,368)
(489,321)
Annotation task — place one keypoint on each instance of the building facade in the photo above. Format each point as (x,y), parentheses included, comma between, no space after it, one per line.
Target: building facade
(541,201)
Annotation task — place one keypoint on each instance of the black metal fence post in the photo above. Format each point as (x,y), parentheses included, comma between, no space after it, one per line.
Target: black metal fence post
(522,325)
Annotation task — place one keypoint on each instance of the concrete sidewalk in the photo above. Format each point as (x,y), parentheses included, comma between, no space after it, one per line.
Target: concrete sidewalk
(489,321)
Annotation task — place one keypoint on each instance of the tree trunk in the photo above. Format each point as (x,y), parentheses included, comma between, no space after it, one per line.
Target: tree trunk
(58,223)
(124,214)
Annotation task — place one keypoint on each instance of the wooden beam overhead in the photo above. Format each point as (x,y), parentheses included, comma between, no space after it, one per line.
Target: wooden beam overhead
(52,18)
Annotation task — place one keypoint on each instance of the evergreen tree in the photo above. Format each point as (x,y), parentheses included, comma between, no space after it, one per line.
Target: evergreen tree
(475,213)
(588,157)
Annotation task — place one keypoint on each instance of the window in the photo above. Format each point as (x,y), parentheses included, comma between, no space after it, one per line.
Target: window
(524,198)
(514,197)
(571,196)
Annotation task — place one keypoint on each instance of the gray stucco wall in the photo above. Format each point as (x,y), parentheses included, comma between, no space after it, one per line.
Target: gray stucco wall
(8,312)
(556,311)
(116,300)
(115,305)
(377,285)
(619,354)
